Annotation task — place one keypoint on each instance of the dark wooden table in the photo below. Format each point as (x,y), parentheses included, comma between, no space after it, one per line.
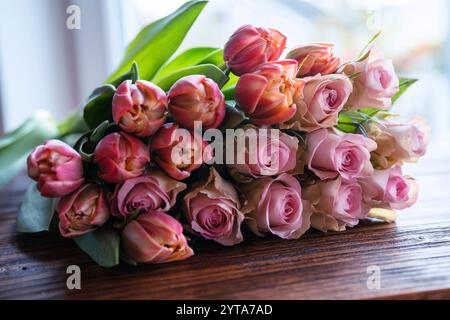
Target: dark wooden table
(413,256)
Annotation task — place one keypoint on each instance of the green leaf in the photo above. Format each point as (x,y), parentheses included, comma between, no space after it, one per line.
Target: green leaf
(233,117)
(362,56)
(101,245)
(16,145)
(157,42)
(87,143)
(36,212)
(189,58)
(209,70)
(229,92)
(132,74)
(98,107)
(405,83)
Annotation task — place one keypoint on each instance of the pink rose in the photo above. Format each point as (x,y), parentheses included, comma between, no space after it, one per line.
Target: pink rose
(267,94)
(83,211)
(249,47)
(155,238)
(274,205)
(319,105)
(56,167)
(178,151)
(263,152)
(213,210)
(389,189)
(139,108)
(314,58)
(196,98)
(335,204)
(374,84)
(331,153)
(151,192)
(120,156)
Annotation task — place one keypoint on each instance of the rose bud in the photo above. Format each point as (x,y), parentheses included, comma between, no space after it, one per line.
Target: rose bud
(150,192)
(83,211)
(335,204)
(262,152)
(267,94)
(139,109)
(398,142)
(375,82)
(322,99)
(213,210)
(179,151)
(389,189)
(196,98)
(274,205)
(155,238)
(120,156)
(314,58)
(248,47)
(331,153)
(56,167)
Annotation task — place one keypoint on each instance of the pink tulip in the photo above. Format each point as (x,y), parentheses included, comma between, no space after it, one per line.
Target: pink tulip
(389,189)
(331,154)
(267,95)
(139,109)
(275,206)
(249,47)
(179,151)
(120,156)
(213,210)
(314,59)
(197,98)
(83,211)
(56,167)
(155,238)
(151,192)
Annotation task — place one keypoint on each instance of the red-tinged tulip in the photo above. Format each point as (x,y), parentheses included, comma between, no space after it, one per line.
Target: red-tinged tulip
(249,47)
(197,98)
(140,108)
(179,151)
(267,95)
(56,167)
(120,156)
(155,238)
(315,58)
(83,211)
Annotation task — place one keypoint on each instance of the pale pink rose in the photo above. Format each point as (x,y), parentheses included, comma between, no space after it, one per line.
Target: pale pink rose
(153,191)
(389,189)
(375,82)
(274,206)
(398,142)
(331,153)
(322,99)
(314,58)
(214,211)
(155,238)
(335,204)
(265,152)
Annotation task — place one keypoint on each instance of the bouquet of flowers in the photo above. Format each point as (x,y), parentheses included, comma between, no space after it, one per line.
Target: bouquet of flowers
(214,141)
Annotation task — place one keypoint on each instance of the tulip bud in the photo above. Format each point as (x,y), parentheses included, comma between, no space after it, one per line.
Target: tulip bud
(179,151)
(120,156)
(83,211)
(155,238)
(267,95)
(315,58)
(196,98)
(56,167)
(248,47)
(139,109)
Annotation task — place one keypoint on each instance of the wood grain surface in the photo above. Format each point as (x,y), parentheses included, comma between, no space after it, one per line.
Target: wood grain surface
(413,256)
